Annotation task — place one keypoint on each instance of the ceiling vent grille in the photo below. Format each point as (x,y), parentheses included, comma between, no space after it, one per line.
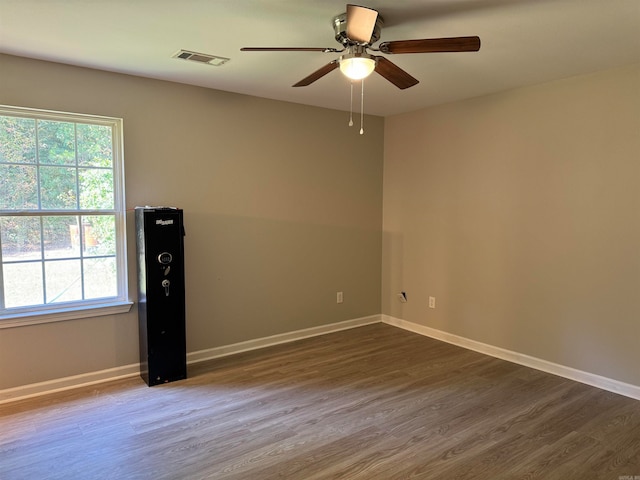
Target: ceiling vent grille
(201,58)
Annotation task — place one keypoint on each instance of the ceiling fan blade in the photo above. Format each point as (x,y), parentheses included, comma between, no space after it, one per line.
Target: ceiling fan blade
(432,45)
(361,22)
(394,73)
(288,49)
(321,72)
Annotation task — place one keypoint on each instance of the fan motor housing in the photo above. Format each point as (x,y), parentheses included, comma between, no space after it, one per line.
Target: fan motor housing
(340,29)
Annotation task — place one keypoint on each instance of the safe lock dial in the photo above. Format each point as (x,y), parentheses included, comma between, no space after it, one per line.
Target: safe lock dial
(165,258)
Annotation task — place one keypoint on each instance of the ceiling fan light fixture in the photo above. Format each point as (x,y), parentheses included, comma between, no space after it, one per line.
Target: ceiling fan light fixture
(357,66)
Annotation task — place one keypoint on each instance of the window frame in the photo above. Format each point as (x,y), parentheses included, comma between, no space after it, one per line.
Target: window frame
(52,312)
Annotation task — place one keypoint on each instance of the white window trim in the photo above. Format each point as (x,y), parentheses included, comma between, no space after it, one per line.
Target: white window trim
(61,315)
(121,304)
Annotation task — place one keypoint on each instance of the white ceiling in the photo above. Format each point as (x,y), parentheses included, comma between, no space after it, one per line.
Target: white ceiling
(524,42)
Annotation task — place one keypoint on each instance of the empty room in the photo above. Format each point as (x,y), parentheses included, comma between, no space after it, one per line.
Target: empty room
(407,239)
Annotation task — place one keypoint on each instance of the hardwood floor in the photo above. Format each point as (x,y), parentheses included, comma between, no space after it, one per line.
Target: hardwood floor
(374,402)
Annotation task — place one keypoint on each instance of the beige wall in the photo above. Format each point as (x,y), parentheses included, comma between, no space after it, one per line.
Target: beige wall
(282,210)
(520,213)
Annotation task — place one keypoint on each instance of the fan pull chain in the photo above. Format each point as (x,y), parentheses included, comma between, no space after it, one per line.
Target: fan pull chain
(351,107)
(362,109)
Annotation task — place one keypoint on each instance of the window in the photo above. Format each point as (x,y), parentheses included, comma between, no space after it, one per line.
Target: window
(62,218)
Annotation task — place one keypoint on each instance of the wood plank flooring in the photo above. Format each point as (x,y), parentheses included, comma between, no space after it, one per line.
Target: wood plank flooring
(374,402)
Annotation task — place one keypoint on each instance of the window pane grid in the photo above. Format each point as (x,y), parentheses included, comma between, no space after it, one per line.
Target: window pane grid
(8,262)
(61,181)
(60,262)
(75,163)
(64,172)
(38,178)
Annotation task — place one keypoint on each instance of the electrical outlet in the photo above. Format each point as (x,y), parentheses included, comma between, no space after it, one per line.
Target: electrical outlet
(432,302)
(339,297)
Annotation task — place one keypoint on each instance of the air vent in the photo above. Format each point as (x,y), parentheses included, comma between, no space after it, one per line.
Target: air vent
(201,58)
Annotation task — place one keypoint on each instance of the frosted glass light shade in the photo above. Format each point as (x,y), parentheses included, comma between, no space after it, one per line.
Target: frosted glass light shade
(357,68)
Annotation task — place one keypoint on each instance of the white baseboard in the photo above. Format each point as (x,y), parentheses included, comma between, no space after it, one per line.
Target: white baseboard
(133,370)
(67,383)
(615,386)
(217,352)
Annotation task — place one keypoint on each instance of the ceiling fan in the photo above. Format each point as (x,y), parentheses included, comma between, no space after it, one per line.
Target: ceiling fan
(357,30)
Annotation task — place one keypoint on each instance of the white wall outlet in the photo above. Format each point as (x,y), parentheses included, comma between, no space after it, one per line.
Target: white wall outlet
(339,297)
(432,302)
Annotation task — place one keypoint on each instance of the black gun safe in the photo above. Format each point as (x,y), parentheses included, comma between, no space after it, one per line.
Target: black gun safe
(161,295)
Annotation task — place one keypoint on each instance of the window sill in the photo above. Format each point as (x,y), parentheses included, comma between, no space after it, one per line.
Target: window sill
(35,318)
